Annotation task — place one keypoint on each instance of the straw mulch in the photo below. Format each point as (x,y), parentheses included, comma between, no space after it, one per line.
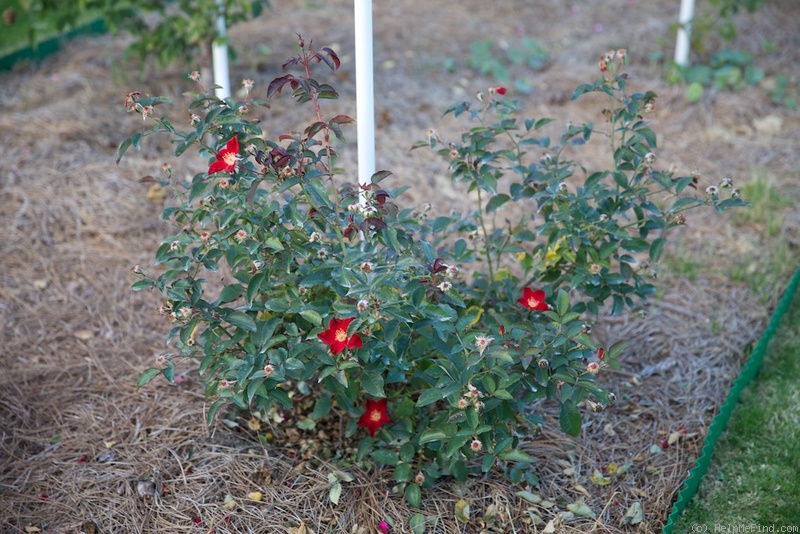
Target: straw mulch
(82,450)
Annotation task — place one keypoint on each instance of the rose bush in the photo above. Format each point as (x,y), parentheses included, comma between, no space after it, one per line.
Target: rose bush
(433,336)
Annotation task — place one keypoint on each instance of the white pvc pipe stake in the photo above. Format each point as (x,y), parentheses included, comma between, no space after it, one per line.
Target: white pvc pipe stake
(365,96)
(219,57)
(682,44)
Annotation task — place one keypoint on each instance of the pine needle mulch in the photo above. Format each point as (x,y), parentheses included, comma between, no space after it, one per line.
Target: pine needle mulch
(82,450)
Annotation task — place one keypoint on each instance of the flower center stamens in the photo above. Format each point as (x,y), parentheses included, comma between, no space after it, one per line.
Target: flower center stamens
(341,335)
(229,158)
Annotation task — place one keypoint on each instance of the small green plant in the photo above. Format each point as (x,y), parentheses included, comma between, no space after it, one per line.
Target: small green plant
(165,31)
(784,91)
(528,56)
(432,336)
(723,69)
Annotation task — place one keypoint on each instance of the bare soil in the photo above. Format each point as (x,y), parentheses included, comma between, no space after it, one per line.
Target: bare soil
(82,450)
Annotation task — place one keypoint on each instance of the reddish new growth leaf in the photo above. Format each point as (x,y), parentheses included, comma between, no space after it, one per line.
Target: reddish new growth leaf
(533,300)
(329,57)
(374,416)
(336,336)
(277,84)
(226,158)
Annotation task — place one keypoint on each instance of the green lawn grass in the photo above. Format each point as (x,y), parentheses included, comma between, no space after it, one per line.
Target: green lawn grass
(754,477)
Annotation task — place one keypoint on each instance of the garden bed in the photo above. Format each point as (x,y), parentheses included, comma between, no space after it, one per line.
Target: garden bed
(81,446)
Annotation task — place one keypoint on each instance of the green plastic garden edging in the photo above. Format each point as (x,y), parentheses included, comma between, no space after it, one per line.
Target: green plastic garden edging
(51,45)
(720,421)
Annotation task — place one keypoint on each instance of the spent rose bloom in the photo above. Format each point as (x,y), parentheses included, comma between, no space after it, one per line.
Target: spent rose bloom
(375,416)
(226,157)
(476,445)
(533,300)
(482,341)
(593,368)
(336,336)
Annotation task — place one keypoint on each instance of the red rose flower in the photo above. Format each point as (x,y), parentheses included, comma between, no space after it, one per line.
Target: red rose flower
(501,91)
(336,336)
(374,416)
(533,300)
(226,158)
(601,353)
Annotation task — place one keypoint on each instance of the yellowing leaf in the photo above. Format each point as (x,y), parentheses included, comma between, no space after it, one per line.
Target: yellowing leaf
(612,468)
(579,508)
(673,438)
(255,496)
(502,274)
(474,309)
(254,424)
(581,489)
(462,511)
(599,479)
(229,503)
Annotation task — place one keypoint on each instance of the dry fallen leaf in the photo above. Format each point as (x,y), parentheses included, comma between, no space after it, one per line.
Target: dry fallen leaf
(634,515)
(302,529)
(254,424)
(581,509)
(146,488)
(581,489)
(462,511)
(156,194)
(599,479)
(229,503)
(83,335)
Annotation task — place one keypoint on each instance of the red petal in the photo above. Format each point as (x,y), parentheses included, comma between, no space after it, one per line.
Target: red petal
(354,342)
(233,145)
(218,166)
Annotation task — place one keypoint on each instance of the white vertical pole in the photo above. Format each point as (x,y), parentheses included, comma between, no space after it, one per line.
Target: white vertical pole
(684,32)
(365,96)
(219,55)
